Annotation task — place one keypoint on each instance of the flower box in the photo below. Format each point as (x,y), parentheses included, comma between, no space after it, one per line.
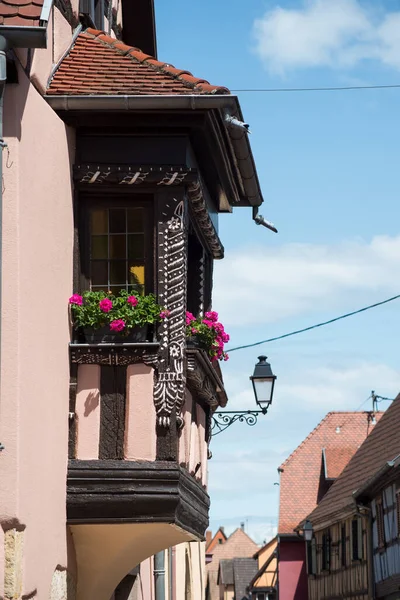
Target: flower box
(103,335)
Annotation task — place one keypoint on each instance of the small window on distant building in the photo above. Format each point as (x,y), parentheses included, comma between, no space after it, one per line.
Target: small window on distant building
(380,523)
(356,539)
(219,540)
(326,551)
(343,545)
(398,512)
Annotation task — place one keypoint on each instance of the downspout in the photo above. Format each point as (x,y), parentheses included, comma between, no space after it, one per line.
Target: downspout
(3,78)
(159,575)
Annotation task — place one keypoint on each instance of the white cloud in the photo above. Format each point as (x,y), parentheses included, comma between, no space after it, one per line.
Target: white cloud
(326,33)
(296,279)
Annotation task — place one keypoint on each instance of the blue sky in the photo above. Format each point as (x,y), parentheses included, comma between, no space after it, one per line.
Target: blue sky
(328,164)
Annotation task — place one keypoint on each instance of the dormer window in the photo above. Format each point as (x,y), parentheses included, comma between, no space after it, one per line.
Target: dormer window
(92,12)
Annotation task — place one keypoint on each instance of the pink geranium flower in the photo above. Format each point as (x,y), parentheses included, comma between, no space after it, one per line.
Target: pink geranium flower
(189,318)
(132,300)
(105,305)
(117,325)
(212,315)
(164,313)
(76,299)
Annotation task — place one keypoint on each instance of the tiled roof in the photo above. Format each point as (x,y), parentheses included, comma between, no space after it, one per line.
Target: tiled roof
(225,574)
(301,486)
(381,446)
(20,12)
(336,458)
(100,64)
(238,544)
(244,570)
(219,538)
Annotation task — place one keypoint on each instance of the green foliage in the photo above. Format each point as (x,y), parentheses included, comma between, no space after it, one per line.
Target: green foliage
(87,313)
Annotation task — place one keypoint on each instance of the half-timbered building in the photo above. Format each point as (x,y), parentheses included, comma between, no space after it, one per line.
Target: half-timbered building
(116,167)
(353,526)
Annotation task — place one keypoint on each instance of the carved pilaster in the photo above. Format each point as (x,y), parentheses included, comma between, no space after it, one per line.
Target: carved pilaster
(170,381)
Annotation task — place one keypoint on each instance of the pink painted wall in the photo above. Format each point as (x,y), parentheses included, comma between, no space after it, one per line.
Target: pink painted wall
(140,432)
(292,576)
(37,281)
(87,412)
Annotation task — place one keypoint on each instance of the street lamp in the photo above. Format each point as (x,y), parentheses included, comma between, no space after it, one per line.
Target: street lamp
(307,531)
(263,381)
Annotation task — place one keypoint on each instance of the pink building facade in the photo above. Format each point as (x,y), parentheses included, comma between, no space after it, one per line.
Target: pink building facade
(105,447)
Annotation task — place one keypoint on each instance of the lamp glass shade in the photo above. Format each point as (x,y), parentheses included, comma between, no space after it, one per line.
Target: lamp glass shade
(308,531)
(263,382)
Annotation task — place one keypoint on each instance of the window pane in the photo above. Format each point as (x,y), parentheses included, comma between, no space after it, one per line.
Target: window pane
(117,288)
(99,246)
(99,273)
(117,220)
(136,274)
(99,221)
(136,246)
(135,220)
(117,246)
(118,272)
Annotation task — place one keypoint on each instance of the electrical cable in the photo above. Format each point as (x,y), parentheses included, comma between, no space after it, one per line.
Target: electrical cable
(320,89)
(285,335)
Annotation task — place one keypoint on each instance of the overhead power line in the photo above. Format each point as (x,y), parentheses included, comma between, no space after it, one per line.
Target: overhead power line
(321,89)
(285,335)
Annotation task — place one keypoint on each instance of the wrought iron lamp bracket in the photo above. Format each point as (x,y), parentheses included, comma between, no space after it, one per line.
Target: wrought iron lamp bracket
(221,420)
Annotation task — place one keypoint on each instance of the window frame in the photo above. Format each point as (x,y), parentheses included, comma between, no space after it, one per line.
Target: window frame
(88,202)
(326,551)
(398,511)
(343,545)
(357,546)
(93,10)
(380,523)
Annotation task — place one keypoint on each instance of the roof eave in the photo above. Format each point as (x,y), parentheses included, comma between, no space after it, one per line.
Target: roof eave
(224,102)
(24,37)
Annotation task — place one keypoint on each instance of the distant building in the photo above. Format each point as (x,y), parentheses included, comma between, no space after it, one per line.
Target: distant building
(355,550)
(305,478)
(238,545)
(212,542)
(263,586)
(233,578)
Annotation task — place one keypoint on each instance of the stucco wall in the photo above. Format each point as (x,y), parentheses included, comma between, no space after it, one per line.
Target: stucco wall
(37,280)
(292,577)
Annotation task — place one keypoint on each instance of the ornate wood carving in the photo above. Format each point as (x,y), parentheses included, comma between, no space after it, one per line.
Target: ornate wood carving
(105,491)
(166,176)
(102,354)
(96,174)
(200,211)
(203,381)
(112,412)
(169,388)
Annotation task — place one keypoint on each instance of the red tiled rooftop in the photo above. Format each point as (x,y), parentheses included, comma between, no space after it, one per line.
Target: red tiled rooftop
(383,445)
(20,12)
(99,64)
(301,472)
(336,458)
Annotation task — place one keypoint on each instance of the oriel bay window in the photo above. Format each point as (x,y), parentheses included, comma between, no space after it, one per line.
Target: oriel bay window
(117,248)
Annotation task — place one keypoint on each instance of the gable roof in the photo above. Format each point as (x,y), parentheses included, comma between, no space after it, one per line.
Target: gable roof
(214,541)
(17,13)
(300,480)
(238,544)
(100,64)
(380,447)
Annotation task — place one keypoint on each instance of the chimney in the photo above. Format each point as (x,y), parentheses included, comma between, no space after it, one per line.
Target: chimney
(139,25)
(242,526)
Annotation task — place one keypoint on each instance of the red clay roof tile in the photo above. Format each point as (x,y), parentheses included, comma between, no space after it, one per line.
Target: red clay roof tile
(99,64)
(382,446)
(24,13)
(301,472)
